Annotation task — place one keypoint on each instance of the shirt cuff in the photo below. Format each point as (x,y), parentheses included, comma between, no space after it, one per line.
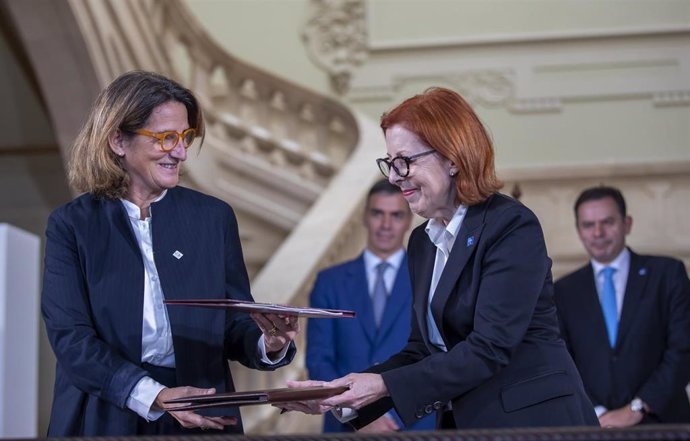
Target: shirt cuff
(600,410)
(264,356)
(142,397)
(344,414)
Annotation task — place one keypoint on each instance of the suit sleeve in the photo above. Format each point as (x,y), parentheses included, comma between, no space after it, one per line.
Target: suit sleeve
(241,332)
(511,274)
(89,362)
(322,346)
(672,373)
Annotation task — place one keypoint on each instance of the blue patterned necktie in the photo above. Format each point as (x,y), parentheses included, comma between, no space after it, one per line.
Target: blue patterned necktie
(608,305)
(380,295)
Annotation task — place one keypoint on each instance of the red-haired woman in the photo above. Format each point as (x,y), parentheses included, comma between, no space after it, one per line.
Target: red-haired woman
(484,349)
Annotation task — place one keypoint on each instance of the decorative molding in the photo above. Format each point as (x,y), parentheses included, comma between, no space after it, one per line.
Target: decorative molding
(545,70)
(336,39)
(672,98)
(536,105)
(525,38)
(490,87)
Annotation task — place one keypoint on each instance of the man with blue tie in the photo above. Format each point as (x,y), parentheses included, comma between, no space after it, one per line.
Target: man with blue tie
(626,320)
(376,285)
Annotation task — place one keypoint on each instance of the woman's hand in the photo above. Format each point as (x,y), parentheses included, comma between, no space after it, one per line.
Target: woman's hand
(279,330)
(363,389)
(187,418)
(311,407)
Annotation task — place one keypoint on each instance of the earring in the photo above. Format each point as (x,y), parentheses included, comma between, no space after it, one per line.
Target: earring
(121,155)
(453,173)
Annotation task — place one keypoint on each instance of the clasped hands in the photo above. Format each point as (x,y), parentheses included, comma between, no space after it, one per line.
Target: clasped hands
(363,389)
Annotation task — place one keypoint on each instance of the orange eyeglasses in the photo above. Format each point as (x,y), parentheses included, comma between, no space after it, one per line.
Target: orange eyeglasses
(168,140)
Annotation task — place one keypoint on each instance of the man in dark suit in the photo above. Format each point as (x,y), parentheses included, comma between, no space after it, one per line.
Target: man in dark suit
(337,347)
(626,320)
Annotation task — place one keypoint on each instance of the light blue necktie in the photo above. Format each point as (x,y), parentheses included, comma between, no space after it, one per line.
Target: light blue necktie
(608,305)
(380,295)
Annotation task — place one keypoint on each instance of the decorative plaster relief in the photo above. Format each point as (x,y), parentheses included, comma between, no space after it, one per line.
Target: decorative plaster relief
(673,98)
(536,74)
(336,39)
(489,87)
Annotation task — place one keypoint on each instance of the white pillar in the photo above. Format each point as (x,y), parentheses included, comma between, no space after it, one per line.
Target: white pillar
(19,315)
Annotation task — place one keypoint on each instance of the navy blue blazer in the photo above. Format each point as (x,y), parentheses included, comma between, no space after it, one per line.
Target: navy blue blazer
(506,365)
(338,347)
(92,304)
(651,358)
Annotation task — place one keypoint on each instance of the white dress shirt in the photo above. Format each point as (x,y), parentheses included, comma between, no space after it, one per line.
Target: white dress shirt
(443,236)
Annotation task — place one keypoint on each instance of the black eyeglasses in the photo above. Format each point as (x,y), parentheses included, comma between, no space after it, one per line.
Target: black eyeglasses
(401,164)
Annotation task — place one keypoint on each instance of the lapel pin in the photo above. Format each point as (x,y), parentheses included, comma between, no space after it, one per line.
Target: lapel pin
(470,241)
(177,255)
(642,271)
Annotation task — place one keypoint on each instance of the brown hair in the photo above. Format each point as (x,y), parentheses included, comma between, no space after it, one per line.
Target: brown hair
(124,105)
(442,119)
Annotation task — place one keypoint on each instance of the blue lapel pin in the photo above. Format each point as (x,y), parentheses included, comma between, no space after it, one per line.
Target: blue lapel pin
(642,271)
(470,241)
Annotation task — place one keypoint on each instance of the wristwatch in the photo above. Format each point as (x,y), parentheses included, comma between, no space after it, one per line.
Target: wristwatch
(637,405)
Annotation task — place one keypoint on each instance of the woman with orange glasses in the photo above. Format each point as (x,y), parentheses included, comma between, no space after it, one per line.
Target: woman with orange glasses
(116,252)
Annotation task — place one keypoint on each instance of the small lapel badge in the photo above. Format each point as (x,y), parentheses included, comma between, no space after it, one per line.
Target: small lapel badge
(177,255)
(642,271)
(470,241)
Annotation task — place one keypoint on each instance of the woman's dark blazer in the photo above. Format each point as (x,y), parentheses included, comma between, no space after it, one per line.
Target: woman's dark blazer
(506,365)
(92,304)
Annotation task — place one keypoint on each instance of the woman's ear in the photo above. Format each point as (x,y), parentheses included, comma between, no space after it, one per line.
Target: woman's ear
(116,143)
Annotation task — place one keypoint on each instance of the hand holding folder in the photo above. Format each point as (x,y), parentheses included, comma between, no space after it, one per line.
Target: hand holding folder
(269,396)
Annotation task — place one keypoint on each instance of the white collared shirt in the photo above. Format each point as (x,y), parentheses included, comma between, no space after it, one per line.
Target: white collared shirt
(156,336)
(620,278)
(443,236)
(371,261)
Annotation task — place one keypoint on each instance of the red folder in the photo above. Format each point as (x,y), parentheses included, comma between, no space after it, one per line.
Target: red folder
(270,396)
(265,308)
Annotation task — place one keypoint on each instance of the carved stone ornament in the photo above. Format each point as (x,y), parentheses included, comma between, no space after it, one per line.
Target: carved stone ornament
(489,87)
(336,39)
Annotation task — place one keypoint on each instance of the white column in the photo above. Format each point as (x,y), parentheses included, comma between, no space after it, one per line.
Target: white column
(19,315)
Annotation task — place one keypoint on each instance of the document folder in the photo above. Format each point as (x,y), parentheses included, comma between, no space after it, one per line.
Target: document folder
(270,396)
(265,308)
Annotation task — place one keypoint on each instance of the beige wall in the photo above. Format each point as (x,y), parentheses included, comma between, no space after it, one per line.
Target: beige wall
(595,70)
(264,33)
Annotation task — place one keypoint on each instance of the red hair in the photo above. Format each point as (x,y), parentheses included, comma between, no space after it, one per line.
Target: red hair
(442,119)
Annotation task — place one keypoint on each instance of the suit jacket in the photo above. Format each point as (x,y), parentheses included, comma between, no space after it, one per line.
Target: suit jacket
(651,358)
(92,304)
(337,347)
(506,365)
